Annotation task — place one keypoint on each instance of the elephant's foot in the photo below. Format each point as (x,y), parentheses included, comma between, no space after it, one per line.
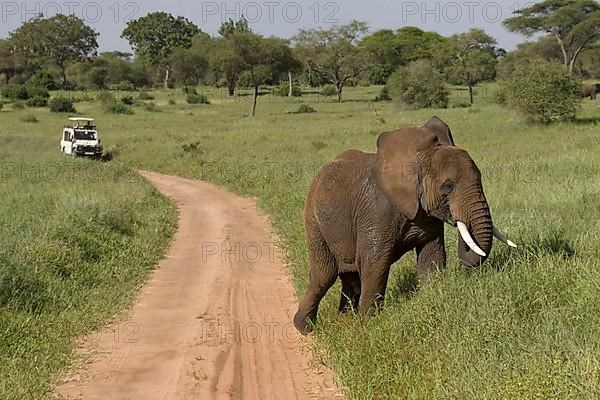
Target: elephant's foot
(303,323)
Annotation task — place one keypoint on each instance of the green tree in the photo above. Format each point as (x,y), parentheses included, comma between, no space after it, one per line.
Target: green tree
(473,59)
(230,27)
(155,37)
(575,24)
(8,65)
(189,65)
(223,56)
(418,85)
(59,40)
(391,49)
(333,54)
(261,58)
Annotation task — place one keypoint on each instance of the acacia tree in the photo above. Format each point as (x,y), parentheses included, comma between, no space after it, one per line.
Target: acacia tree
(333,54)
(155,37)
(262,58)
(190,65)
(60,39)
(473,59)
(575,24)
(223,57)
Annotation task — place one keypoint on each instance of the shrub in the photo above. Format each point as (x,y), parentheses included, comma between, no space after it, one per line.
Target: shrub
(30,119)
(15,92)
(151,107)
(18,105)
(37,102)
(304,109)
(172,102)
(328,90)
(37,91)
(145,96)
(62,105)
(384,95)
(189,90)
(418,85)
(544,91)
(44,80)
(197,99)
(118,108)
(127,100)
(125,86)
(284,90)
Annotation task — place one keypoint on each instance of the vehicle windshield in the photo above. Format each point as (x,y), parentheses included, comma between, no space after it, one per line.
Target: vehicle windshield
(84,135)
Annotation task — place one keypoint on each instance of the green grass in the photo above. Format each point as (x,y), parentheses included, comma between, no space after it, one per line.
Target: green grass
(78,238)
(525,326)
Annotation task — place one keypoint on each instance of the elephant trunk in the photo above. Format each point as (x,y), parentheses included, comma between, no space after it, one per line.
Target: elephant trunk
(477,230)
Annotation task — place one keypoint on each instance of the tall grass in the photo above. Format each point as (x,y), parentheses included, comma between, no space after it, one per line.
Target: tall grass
(77,239)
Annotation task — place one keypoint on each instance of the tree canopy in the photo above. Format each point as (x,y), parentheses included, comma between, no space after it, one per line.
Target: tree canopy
(575,24)
(333,54)
(156,35)
(60,39)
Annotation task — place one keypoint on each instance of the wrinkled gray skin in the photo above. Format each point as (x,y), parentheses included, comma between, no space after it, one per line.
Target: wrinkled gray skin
(365,211)
(590,90)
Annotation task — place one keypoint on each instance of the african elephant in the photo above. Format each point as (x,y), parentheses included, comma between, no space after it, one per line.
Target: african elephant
(590,90)
(365,211)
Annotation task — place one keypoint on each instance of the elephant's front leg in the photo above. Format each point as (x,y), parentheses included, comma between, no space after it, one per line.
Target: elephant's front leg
(431,257)
(373,282)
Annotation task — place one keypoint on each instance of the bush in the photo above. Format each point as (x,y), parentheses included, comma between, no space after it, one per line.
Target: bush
(189,90)
(30,119)
(284,90)
(37,102)
(125,86)
(38,91)
(44,80)
(15,92)
(418,85)
(127,100)
(384,95)
(328,90)
(145,96)
(172,102)
(118,108)
(304,109)
(544,91)
(62,105)
(18,105)
(197,99)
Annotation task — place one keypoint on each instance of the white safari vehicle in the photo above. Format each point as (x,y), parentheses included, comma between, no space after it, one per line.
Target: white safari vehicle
(80,139)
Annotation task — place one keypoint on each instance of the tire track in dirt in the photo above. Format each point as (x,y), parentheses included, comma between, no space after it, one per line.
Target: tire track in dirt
(213,322)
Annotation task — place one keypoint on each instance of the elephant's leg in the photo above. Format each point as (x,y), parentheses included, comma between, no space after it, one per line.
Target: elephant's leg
(350,291)
(373,282)
(431,257)
(322,275)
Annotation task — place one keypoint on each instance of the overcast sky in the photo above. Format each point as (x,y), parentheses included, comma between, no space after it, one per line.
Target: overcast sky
(277,17)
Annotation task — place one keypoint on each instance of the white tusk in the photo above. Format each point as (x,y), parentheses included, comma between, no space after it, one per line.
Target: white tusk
(464,232)
(503,238)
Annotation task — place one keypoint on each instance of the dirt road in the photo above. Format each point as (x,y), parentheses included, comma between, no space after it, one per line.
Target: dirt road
(214,322)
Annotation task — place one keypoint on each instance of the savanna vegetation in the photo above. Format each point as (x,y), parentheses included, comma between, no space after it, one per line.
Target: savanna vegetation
(80,236)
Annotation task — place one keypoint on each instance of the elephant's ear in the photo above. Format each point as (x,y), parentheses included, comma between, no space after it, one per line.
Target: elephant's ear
(397,168)
(441,130)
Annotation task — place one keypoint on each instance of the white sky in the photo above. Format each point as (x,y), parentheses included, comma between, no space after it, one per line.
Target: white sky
(277,17)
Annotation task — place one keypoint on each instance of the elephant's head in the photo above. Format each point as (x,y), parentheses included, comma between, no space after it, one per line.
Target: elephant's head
(421,172)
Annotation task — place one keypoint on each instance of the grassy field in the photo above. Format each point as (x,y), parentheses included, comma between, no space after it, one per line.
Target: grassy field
(77,239)
(525,326)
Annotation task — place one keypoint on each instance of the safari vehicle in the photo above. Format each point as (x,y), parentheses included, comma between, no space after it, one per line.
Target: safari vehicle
(80,139)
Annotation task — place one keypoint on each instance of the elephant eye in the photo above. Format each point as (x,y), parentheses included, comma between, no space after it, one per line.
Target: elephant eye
(447,187)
